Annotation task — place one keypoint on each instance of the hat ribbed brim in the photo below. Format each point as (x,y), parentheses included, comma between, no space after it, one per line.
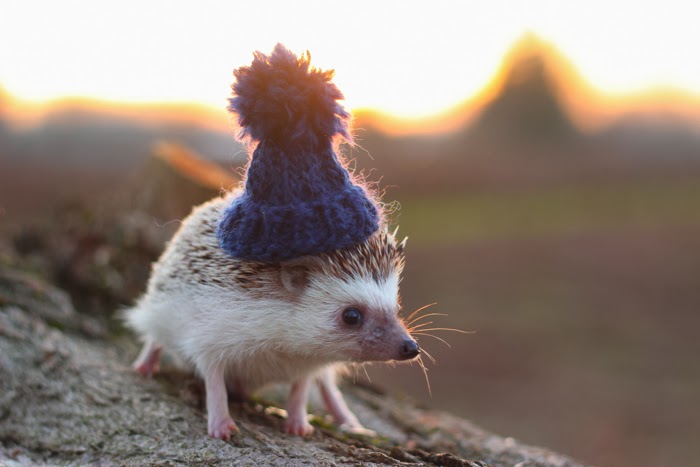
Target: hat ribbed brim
(257,231)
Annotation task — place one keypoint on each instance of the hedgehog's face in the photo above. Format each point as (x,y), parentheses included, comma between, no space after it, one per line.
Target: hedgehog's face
(367,322)
(350,304)
(355,320)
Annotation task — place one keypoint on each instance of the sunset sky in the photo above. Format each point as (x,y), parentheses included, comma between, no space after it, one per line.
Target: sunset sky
(406,58)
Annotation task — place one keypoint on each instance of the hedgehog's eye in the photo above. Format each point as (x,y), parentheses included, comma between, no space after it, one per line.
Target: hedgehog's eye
(352,316)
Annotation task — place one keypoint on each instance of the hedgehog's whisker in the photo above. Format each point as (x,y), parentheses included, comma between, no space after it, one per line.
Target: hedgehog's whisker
(425,373)
(428,355)
(448,329)
(408,318)
(424,316)
(434,337)
(418,326)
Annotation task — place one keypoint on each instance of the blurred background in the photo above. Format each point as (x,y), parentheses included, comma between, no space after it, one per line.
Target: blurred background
(544,159)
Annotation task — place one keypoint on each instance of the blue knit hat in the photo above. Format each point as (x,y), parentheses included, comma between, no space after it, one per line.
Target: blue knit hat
(298,199)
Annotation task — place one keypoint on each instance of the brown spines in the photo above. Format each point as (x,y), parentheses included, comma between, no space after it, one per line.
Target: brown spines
(378,257)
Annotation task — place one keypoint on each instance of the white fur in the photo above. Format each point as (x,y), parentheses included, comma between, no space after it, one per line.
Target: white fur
(259,340)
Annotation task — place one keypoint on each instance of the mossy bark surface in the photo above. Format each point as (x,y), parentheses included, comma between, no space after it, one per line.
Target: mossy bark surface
(69,396)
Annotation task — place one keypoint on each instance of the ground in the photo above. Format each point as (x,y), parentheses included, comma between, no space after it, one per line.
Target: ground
(70,397)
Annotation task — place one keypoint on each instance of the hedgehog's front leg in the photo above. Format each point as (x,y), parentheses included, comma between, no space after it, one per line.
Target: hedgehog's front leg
(297,417)
(221,425)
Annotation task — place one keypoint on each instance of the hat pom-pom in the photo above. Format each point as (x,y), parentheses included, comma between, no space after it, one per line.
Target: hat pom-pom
(280,97)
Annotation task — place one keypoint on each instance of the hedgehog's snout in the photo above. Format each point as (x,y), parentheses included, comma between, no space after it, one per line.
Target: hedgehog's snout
(409,349)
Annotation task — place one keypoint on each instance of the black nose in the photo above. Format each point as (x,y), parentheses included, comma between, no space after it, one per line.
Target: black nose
(409,349)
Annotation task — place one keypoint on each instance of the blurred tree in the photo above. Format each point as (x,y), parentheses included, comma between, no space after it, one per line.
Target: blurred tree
(526,108)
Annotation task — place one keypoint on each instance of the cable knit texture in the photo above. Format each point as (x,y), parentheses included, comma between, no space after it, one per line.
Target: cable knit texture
(298,198)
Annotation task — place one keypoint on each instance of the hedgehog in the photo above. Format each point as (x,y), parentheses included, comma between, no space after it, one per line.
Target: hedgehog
(288,278)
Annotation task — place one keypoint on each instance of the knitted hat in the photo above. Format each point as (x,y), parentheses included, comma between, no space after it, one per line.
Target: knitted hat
(298,199)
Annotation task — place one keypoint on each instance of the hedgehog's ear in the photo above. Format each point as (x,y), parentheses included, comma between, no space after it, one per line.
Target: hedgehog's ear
(294,277)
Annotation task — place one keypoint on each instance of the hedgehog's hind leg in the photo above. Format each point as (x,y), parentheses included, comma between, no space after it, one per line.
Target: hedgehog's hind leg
(336,405)
(148,361)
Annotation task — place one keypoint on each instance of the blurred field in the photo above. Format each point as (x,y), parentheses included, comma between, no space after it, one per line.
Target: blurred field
(550,211)
(584,301)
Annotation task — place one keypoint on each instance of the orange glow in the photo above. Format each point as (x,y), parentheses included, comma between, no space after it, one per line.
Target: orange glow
(592,110)
(28,114)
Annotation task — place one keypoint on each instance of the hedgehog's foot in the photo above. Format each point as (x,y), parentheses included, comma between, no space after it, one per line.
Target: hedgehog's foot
(148,361)
(222,428)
